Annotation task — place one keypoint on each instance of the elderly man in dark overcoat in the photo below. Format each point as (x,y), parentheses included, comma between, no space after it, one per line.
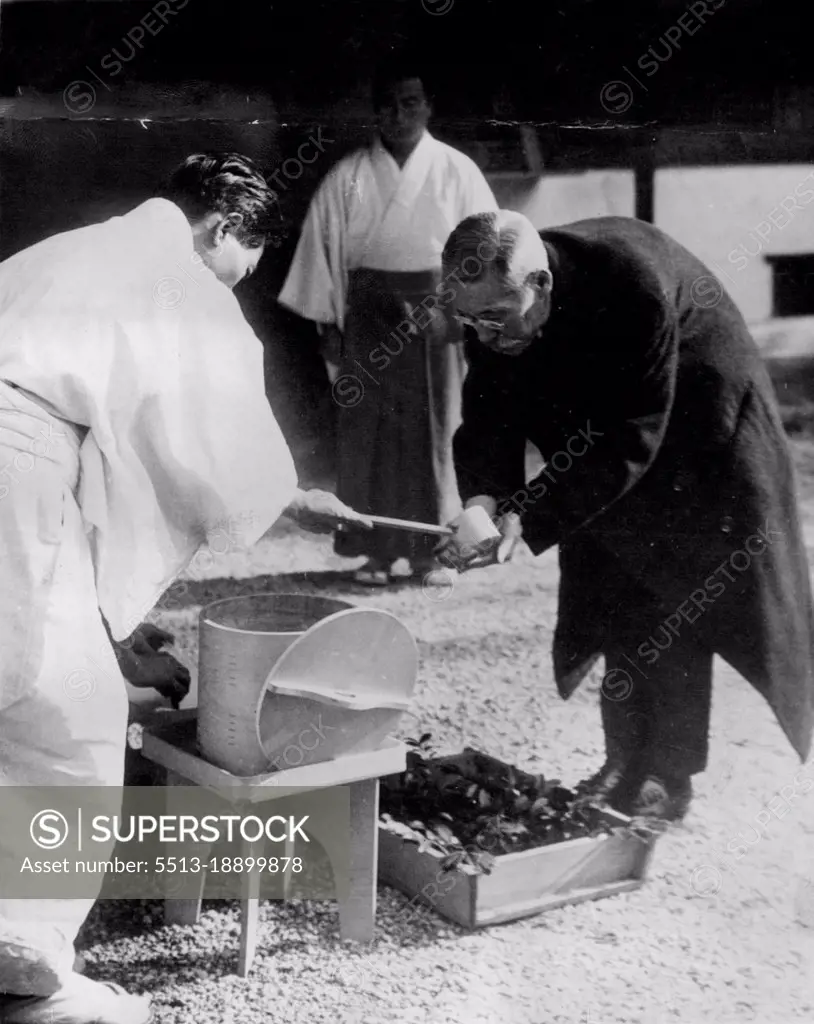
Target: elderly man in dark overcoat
(667,482)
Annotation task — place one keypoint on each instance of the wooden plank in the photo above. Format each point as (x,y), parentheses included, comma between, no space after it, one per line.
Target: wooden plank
(249,913)
(450,893)
(619,857)
(357,913)
(186,910)
(583,863)
(516,911)
(173,745)
(534,873)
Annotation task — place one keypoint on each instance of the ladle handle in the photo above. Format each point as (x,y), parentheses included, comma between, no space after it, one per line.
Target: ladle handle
(408,524)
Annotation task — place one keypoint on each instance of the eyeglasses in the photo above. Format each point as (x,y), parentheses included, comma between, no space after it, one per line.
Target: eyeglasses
(479,324)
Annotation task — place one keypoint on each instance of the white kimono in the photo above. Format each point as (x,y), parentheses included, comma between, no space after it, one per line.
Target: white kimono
(370,213)
(137,428)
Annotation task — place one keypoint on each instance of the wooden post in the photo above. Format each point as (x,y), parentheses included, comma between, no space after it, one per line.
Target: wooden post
(249,915)
(645,185)
(188,910)
(357,915)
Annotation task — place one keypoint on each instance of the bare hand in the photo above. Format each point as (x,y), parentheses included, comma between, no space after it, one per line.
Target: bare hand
(494,551)
(322,512)
(145,665)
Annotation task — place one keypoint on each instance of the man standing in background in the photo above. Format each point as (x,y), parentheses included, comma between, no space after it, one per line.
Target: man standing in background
(368,256)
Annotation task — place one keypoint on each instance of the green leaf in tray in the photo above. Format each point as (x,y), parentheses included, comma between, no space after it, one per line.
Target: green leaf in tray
(453,860)
(484,861)
(469,808)
(445,833)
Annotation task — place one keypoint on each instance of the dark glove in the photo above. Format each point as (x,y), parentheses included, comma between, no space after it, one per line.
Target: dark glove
(145,664)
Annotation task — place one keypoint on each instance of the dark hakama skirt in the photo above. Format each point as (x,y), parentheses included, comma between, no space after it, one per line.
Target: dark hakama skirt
(399,398)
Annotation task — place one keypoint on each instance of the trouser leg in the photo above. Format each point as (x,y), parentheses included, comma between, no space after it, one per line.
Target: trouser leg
(626,711)
(659,714)
(65,727)
(681,696)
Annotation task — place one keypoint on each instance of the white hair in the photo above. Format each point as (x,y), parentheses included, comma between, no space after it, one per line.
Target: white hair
(502,242)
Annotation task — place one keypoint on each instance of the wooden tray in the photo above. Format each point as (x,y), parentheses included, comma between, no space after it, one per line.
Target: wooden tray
(174,746)
(520,884)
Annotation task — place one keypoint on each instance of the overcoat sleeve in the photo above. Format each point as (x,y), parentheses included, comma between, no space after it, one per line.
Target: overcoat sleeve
(489,447)
(611,448)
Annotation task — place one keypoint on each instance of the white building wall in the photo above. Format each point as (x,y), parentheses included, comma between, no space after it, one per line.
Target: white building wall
(560,198)
(730,217)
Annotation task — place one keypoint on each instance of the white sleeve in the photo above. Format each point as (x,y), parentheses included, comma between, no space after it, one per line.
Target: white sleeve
(315,286)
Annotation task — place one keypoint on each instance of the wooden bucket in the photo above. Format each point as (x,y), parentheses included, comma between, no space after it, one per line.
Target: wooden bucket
(241,639)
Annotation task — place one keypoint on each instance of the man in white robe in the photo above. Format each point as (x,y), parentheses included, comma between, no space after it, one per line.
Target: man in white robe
(367,270)
(134,428)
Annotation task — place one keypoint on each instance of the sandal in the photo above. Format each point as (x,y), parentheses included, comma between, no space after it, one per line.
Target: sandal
(79,1001)
(400,571)
(371,575)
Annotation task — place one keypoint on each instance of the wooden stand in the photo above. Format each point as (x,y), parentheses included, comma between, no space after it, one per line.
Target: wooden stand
(173,746)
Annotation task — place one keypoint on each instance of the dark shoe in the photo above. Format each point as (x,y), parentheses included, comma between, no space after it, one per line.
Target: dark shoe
(662,798)
(611,785)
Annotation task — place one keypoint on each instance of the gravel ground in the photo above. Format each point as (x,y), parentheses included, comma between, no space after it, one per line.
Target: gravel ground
(706,939)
